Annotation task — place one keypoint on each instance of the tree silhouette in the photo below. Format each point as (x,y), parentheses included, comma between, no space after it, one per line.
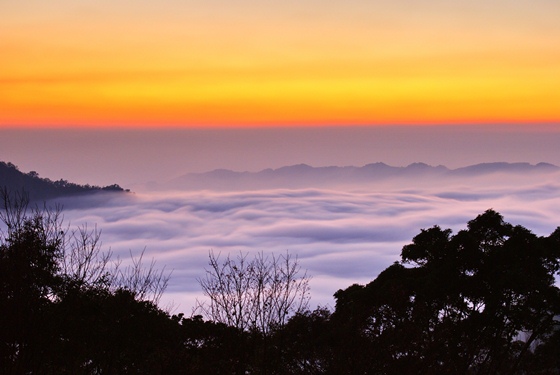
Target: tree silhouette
(474,302)
(257,294)
(66,309)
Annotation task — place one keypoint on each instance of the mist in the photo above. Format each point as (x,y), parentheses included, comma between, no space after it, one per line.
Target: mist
(341,235)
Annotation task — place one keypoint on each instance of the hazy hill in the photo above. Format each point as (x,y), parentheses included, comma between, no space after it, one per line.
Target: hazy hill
(303,175)
(12,179)
(485,168)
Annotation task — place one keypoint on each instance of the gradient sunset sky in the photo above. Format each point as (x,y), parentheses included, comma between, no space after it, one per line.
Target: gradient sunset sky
(140,92)
(307,62)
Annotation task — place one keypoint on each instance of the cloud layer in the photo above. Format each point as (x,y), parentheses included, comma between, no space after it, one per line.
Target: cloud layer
(341,236)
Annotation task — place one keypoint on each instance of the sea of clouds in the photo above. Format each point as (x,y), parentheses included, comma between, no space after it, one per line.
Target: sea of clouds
(341,236)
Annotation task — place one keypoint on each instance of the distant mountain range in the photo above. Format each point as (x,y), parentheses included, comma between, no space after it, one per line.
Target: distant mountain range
(294,176)
(37,188)
(303,175)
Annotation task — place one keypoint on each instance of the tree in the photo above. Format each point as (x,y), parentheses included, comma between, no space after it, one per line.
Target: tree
(473,302)
(30,254)
(304,344)
(214,348)
(62,299)
(257,294)
(104,332)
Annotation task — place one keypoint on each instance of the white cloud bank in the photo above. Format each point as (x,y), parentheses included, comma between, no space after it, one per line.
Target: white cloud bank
(341,236)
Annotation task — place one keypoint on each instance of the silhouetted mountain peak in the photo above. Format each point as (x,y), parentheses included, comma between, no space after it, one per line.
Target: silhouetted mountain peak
(546,166)
(304,175)
(378,165)
(503,167)
(298,168)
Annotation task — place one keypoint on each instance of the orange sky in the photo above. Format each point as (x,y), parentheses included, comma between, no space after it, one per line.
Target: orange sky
(248,62)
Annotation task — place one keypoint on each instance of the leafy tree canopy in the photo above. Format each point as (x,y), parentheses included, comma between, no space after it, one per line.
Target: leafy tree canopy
(474,302)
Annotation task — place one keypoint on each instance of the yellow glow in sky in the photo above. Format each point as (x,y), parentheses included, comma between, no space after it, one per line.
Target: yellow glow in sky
(248,62)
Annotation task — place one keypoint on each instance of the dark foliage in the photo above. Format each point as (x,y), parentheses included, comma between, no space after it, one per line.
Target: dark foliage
(58,321)
(39,189)
(476,302)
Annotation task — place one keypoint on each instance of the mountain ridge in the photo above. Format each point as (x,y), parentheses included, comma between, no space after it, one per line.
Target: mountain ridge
(300,175)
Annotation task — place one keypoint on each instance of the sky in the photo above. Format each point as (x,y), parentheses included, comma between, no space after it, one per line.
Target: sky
(134,157)
(133,92)
(192,63)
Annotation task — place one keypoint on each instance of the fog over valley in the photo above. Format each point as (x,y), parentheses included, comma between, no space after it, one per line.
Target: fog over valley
(342,233)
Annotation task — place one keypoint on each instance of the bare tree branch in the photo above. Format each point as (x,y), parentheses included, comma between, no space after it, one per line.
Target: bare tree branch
(80,262)
(257,294)
(146,282)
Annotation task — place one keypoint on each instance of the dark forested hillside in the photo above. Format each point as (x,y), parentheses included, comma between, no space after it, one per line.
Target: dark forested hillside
(38,188)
